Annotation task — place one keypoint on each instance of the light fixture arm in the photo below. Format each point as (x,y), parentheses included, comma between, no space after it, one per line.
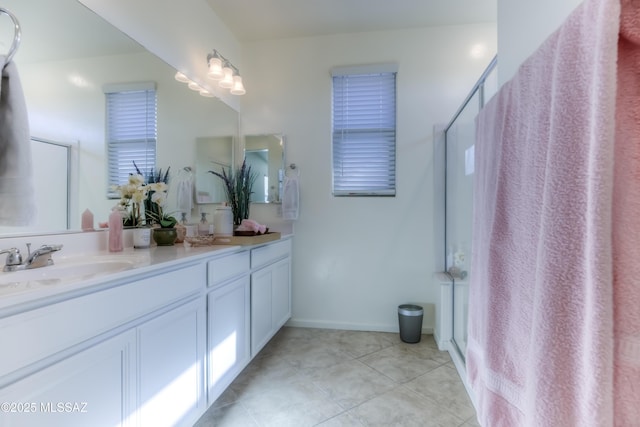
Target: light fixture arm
(225,61)
(219,70)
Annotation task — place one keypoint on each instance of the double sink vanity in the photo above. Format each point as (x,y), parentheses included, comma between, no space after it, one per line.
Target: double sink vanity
(136,338)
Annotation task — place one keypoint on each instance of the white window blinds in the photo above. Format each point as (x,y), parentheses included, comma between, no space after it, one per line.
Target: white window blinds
(131,130)
(364,131)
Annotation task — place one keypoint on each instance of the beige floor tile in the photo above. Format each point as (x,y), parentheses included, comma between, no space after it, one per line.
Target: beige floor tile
(332,378)
(427,347)
(351,383)
(358,344)
(300,403)
(444,387)
(346,419)
(264,372)
(400,363)
(402,407)
(234,415)
(472,422)
(312,356)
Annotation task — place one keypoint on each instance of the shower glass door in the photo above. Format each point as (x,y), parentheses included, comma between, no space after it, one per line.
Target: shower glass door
(459,140)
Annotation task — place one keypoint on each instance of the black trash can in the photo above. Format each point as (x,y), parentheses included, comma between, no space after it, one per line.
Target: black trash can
(410,319)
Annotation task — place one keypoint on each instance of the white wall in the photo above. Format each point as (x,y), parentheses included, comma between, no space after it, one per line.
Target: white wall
(522,26)
(357,259)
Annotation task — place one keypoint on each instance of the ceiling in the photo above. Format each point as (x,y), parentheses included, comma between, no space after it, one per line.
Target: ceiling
(251,20)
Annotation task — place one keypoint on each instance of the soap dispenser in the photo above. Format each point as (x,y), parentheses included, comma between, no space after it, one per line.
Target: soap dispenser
(203,226)
(181,228)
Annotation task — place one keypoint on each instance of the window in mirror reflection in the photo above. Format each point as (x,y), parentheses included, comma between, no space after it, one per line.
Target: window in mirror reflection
(131,130)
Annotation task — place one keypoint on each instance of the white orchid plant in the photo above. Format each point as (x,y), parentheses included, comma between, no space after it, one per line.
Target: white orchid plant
(150,193)
(132,196)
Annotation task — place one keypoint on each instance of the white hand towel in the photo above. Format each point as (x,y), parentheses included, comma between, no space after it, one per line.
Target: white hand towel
(290,197)
(17,196)
(185,195)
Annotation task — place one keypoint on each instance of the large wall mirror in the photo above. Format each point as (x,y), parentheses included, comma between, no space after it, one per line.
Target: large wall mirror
(265,154)
(66,56)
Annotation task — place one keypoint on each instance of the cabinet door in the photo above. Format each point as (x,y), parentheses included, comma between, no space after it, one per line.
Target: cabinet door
(228,344)
(92,388)
(281,296)
(261,292)
(171,366)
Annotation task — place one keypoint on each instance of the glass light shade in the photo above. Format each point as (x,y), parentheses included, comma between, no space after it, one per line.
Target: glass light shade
(215,69)
(181,77)
(227,80)
(206,93)
(238,87)
(193,85)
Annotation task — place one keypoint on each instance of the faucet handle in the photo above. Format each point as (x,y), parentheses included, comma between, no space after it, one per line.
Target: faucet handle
(13,256)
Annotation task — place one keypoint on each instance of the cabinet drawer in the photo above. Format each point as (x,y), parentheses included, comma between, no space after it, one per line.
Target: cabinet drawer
(36,334)
(269,253)
(221,269)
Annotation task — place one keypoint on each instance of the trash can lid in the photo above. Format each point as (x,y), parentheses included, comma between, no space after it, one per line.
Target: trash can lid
(410,310)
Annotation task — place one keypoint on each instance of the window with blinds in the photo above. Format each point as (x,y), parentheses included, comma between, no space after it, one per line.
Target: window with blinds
(364,131)
(131,130)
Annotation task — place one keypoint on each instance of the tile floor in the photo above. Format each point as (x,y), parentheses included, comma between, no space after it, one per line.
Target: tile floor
(321,377)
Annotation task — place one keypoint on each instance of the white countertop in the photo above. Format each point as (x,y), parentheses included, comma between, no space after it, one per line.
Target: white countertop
(90,276)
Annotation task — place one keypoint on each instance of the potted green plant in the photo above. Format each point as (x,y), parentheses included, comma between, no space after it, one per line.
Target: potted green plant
(238,187)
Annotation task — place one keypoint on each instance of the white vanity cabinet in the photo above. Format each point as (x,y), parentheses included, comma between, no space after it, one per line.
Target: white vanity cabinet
(228,307)
(130,354)
(270,292)
(154,347)
(91,388)
(171,354)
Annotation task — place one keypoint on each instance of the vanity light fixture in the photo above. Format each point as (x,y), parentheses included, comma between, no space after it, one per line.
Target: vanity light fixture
(227,75)
(181,77)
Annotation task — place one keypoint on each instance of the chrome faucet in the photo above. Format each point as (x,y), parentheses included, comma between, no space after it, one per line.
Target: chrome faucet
(41,257)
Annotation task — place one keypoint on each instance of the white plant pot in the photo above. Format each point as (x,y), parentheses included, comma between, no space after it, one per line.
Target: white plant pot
(141,237)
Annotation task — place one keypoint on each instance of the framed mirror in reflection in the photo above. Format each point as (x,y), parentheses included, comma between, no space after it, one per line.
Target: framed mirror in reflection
(66,56)
(213,154)
(265,154)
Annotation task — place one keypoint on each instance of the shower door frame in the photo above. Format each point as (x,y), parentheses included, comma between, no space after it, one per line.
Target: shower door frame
(478,88)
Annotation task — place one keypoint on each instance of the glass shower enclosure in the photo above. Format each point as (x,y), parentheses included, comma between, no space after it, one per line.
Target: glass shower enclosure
(459,174)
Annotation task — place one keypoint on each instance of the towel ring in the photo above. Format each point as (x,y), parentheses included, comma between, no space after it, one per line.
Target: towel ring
(16,36)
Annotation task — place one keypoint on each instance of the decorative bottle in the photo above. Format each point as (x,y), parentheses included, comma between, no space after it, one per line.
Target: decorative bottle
(87,220)
(115,231)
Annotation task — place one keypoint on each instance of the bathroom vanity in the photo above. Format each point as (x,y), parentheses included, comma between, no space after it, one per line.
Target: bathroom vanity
(153,344)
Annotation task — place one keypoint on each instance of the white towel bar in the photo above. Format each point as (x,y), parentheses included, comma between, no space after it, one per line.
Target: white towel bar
(16,36)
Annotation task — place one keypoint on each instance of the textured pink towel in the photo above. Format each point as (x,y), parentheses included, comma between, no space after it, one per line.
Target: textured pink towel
(626,222)
(554,323)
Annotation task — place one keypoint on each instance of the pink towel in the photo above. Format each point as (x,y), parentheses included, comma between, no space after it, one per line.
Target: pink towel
(626,222)
(554,245)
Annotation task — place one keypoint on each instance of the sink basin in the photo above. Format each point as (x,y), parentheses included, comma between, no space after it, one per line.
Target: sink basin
(69,269)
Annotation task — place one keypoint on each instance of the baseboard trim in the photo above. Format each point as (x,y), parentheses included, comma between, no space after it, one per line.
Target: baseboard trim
(306,323)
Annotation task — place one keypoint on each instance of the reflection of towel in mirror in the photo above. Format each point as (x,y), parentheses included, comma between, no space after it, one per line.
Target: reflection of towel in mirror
(290,197)
(17,199)
(185,195)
